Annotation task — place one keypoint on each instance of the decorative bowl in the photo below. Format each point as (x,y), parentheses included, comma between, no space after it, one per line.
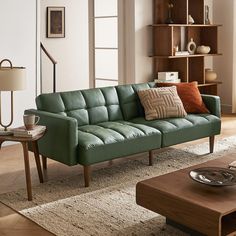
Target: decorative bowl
(203,49)
(214,176)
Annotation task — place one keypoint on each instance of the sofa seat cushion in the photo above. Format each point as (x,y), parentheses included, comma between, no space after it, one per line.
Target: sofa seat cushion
(109,140)
(179,130)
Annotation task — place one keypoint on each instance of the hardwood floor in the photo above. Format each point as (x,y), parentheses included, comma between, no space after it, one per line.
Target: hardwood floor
(13,177)
(14,224)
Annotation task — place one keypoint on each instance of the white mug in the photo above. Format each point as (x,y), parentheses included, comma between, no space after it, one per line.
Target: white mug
(30,120)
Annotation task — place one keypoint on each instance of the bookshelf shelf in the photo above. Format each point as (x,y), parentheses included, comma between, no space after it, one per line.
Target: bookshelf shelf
(167,36)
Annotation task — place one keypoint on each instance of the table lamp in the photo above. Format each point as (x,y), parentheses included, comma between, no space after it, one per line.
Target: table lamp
(11,79)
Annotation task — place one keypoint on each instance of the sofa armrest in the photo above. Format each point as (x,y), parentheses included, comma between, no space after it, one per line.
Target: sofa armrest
(61,139)
(213,104)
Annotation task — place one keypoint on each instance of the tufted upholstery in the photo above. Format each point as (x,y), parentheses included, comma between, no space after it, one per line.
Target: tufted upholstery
(95,125)
(179,130)
(129,100)
(90,106)
(106,140)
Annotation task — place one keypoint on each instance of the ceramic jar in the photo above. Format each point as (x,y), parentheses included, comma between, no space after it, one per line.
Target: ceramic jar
(210,75)
(203,49)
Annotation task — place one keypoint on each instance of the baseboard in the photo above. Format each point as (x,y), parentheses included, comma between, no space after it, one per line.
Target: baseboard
(226,109)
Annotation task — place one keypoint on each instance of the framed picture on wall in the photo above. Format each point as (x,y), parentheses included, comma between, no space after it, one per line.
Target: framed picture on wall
(55,22)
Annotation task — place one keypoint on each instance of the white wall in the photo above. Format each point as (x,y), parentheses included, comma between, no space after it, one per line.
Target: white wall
(143,41)
(138,41)
(18,43)
(223,13)
(70,52)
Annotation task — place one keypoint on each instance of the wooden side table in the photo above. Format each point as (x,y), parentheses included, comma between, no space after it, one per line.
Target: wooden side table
(25,142)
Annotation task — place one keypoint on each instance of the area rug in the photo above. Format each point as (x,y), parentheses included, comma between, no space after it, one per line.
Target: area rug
(108,207)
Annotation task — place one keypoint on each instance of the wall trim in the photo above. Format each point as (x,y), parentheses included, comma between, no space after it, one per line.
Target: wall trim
(91,44)
(37,48)
(226,108)
(129,41)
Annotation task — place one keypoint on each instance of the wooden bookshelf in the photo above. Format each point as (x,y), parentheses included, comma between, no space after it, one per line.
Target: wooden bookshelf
(167,36)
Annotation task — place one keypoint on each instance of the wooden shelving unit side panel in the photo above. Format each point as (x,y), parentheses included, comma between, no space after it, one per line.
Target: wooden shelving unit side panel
(179,64)
(196,70)
(211,89)
(196,10)
(179,11)
(162,41)
(209,36)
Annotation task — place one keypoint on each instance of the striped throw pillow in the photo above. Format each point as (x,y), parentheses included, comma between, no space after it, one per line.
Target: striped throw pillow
(161,103)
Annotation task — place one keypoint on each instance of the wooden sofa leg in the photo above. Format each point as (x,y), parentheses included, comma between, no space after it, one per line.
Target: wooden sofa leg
(151,155)
(212,142)
(44,160)
(87,172)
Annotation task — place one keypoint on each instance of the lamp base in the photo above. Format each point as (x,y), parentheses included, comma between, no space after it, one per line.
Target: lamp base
(8,132)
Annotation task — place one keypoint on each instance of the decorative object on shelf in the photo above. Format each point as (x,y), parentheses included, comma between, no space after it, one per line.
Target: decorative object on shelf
(210,75)
(169,20)
(207,19)
(176,49)
(190,20)
(191,47)
(55,22)
(203,49)
(11,79)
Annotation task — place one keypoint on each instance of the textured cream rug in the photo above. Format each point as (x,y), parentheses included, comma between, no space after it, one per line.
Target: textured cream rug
(108,207)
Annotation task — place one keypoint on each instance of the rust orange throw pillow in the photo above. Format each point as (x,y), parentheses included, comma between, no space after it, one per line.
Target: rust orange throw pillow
(190,96)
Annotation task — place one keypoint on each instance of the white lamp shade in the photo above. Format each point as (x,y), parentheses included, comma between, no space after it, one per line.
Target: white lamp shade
(12,79)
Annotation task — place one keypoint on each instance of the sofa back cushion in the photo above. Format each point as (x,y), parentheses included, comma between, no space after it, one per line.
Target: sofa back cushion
(90,106)
(129,100)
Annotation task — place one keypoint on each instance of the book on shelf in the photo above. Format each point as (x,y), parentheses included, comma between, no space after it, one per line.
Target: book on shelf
(23,132)
(167,81)
(182,53)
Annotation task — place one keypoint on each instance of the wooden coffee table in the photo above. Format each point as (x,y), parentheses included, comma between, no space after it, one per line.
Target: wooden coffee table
(190,205)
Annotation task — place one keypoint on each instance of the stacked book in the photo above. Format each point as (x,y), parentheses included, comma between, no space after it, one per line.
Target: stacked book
(168,77)
(182,53)
(167,81)
(23,132)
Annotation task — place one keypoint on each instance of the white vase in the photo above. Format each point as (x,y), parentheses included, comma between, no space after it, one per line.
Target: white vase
(191,47)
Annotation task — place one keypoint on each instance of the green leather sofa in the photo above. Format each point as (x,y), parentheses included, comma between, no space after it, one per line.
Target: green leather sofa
(95,125)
